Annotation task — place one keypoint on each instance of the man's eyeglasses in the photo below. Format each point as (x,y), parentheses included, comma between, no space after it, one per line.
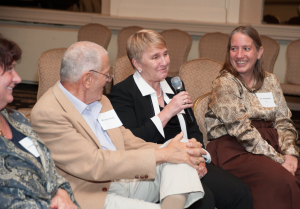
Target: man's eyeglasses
(108,77)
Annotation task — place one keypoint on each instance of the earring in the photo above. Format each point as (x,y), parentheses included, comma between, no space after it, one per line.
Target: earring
(140,71)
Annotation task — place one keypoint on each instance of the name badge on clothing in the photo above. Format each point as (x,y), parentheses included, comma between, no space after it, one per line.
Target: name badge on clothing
(109,120)
(29,146)
(266,99)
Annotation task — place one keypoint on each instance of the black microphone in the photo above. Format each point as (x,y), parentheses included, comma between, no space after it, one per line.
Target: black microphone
(177,85)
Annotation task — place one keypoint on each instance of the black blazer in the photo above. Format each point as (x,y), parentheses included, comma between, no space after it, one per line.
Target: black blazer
(135,111)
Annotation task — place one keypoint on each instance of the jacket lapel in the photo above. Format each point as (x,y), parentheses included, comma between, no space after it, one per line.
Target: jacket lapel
(115,134)
(71,109)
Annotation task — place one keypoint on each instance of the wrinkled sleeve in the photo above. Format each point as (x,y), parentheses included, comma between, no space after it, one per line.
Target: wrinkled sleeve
(56,181)
(227,104)
(59,129)
(287,133)
(63,184)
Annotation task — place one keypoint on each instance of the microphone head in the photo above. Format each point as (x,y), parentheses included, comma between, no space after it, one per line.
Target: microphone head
(176,83)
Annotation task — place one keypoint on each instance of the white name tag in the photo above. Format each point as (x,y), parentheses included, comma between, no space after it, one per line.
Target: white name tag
(109,120)
(266,99)
(29,146)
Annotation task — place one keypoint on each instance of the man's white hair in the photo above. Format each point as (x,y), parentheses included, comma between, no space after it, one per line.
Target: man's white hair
(79,58)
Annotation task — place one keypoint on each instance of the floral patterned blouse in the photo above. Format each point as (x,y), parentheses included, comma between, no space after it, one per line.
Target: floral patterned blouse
(24,181)
(233,105)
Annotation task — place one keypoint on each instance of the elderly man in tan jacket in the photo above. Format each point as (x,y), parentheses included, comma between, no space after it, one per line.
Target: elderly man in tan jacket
(106,165)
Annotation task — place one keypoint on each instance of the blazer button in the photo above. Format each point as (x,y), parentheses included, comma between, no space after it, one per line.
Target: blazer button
(146,176)
(104,189)
(136,177)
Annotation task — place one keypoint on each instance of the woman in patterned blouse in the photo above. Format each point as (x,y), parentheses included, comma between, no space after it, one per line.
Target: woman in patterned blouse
(28,177)
(249,125)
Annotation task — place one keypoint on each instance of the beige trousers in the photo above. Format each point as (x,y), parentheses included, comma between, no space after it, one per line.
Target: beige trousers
(170,179)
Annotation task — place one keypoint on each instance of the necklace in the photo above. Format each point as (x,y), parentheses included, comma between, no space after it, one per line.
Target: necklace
(157,97)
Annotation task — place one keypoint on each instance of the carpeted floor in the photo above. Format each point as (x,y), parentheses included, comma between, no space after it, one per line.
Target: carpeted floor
(25,96)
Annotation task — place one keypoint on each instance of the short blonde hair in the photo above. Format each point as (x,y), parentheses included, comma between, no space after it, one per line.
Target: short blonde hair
(138,43)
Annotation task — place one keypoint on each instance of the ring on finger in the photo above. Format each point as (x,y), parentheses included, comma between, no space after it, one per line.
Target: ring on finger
(184,102)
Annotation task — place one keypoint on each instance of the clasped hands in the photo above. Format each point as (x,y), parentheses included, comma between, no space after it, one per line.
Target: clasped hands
(180,152)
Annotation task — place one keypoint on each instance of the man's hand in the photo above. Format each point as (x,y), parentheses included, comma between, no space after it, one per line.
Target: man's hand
(290,163)
(196,154)
(62,201)
(179,152)
(195,151)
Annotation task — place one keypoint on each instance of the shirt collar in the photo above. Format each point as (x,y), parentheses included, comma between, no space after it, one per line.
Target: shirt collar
(80,106)
(146,89)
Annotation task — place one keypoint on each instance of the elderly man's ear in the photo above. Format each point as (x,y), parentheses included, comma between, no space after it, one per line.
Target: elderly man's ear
(87,79)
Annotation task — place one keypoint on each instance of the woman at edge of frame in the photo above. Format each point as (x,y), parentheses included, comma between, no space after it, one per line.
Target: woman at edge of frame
(249,125)
(28,179)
